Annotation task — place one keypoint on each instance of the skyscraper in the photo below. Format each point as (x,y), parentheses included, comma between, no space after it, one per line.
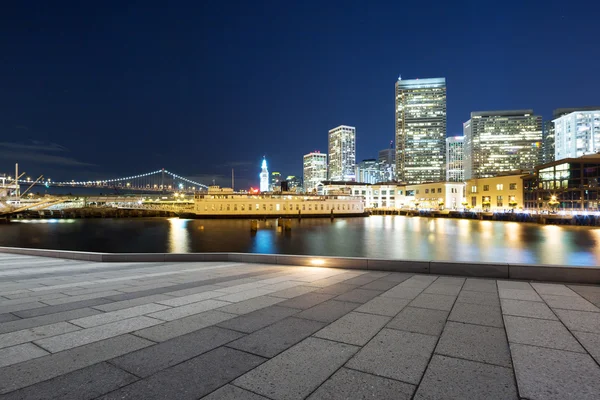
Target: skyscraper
(264,177)
(367,171)
(420,130)
(387,163)
(455,169)
(342,153)
(501,141)
(576,133)
(315,170)
(548,142)
(275,181)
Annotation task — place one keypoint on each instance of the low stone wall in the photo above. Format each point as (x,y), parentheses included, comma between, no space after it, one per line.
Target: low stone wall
(533,272)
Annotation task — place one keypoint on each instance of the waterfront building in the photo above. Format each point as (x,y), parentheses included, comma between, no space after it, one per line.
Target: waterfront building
(275,181)
(571,184)
(387,163)
(576,133)
(455,169)
(436,195)
(548,142)
(315,170)
(264,176)
(420,130)
(381,195)
(342,153)
(497,193)
(294,183)
(500,141)
(367,171)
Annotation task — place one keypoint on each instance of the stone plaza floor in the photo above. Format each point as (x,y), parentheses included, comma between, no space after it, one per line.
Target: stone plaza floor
(223,330)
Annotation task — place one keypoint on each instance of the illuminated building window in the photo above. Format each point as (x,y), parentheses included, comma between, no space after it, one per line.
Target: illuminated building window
(499,201)
(499,186)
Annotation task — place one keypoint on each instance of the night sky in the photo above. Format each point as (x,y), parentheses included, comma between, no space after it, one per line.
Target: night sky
(106,89)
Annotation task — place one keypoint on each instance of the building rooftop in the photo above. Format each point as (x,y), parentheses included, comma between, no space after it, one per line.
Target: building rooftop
(501,113)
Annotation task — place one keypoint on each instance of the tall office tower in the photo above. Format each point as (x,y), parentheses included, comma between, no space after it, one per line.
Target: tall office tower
(455,169)
(294,183)
(548,142)
(264,176)
(315,170)
(367,171)
(275,181)
(387,163)
(577,132)
(500,141)
(342,153)
(420,130)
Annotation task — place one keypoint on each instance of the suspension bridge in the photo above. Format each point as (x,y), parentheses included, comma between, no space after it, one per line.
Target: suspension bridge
(161,180)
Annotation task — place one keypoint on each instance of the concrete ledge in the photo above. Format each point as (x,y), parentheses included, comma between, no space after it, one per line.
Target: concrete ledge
(322,261)
(530,272)
(420,267)
(554,273)
(479,269)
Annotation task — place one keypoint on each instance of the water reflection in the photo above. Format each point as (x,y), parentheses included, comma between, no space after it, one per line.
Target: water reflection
(179,237)
(395,237)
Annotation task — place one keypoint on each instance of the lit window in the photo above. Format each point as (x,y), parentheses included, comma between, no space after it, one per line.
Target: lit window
(499,186)
(473,189)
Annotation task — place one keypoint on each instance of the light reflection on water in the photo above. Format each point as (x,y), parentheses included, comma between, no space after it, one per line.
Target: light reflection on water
(395,237)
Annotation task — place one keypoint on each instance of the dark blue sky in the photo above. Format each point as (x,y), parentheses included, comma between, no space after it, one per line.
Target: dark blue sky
(101,89)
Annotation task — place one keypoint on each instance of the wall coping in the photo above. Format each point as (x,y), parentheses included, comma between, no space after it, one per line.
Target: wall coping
(493,270)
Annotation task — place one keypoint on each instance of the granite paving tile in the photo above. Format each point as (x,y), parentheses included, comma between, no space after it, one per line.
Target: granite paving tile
(420,320)
(303,368)
(450,280)
(113,316)
(150,360)
(438,288)
(272,340)
(583,321)
(27,373)
(21,306)
(294,291)
(402,292)
(230,392)
(328,311)
(519,294)
(551,374)
(26,323)
(474,342)
(591,342)
(337,289)
(419,281)
(61,308)
(362,279)
(72,299)
(476,314)
(193,290)
(395,354)
(20,353)
(553,289)
(540,332)
(247,306)
(359,295)
(119,305)
(187,310)
(388,306)
(182,326)
(31,334)
(192,298)
(514,285)
(531,309)
(455,379)
(480,285)
(433,301)
(84,384)
(397,277)
(380,284)
(306,301)
(353,328)
(256,320)
(481,298)
(69,340)
(350,384)
(37,297)
(7,317)
(248,294)
(569,303)
(191,379)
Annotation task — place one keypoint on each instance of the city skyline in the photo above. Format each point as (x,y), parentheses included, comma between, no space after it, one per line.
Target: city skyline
(101,92)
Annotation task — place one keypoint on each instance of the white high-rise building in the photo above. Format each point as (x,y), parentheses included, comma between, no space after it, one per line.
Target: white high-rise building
(315,170)
(264,177)
(367,171)
(342,153)
(455,169)
(577,134)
